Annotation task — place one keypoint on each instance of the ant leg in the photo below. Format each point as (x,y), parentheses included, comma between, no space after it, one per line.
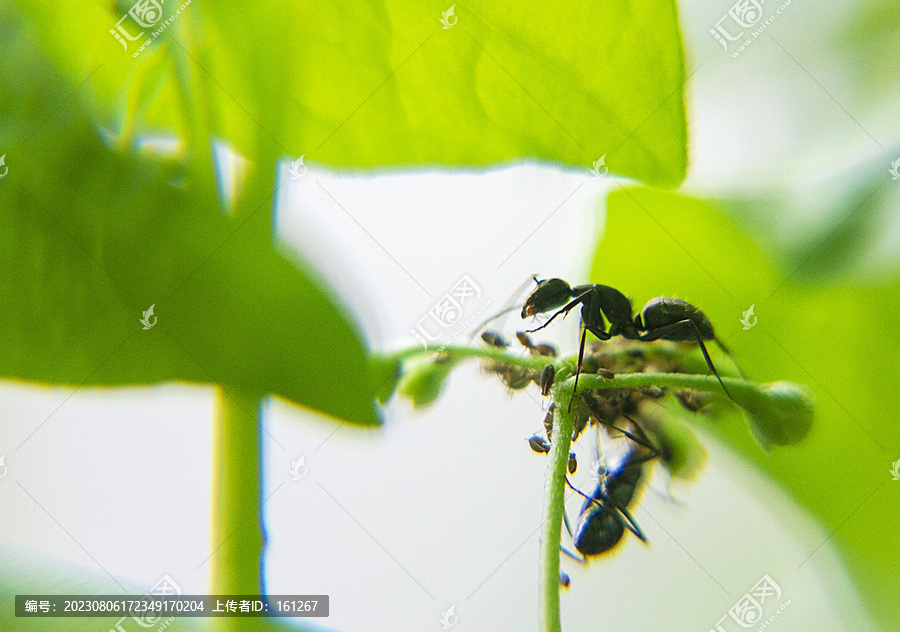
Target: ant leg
(567,523)
(631,524)
(642,439)
(563,310)
(578,491)
(578,368)
(662,332)
(730,357)
(575,557)
(593,322)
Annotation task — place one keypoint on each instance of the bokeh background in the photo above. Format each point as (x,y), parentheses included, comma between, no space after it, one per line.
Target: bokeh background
(789,205)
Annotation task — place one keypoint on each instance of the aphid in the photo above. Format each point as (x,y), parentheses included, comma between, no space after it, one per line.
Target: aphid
(691,400)
(547,376)
(541,350)
(539,444)
(514,377)
(573,463)
(548,420)
(494,339)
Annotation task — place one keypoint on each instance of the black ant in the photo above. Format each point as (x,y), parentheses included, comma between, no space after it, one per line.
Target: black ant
(604,516)
(660,319)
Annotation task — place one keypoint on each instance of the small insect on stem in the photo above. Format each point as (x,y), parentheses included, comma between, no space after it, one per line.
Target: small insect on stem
(539,444)
(547,377)
(548,420)
(541,349)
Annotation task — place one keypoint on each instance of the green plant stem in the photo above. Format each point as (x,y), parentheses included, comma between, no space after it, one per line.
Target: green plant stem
(554,506)
(621,380)
(675,380)
(237,518)
(490,353)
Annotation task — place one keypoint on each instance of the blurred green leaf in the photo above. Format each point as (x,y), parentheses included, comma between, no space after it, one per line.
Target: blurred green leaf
(384,84)
(834,339)
(829,231)
(683,454)
(92,237)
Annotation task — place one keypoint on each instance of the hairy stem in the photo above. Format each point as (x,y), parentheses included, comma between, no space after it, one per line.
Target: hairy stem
(554,506)
(586,380)
(491,353)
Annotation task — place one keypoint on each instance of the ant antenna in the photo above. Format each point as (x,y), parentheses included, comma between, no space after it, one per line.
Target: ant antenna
(513,303)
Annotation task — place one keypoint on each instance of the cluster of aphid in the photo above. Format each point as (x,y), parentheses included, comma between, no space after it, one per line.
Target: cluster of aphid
(605,515)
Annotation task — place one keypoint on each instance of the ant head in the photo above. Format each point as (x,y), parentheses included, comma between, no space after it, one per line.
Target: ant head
(549,294)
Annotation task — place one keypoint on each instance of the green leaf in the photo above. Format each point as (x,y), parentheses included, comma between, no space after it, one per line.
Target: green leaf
(834,339)
(386,374)
(383,84)
(92,237)
(683,454)
(827,232)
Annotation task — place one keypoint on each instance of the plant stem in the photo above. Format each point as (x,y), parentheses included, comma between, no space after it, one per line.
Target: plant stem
(588,380)
(554,506)
(675,380)
(490,353)
(237,518)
